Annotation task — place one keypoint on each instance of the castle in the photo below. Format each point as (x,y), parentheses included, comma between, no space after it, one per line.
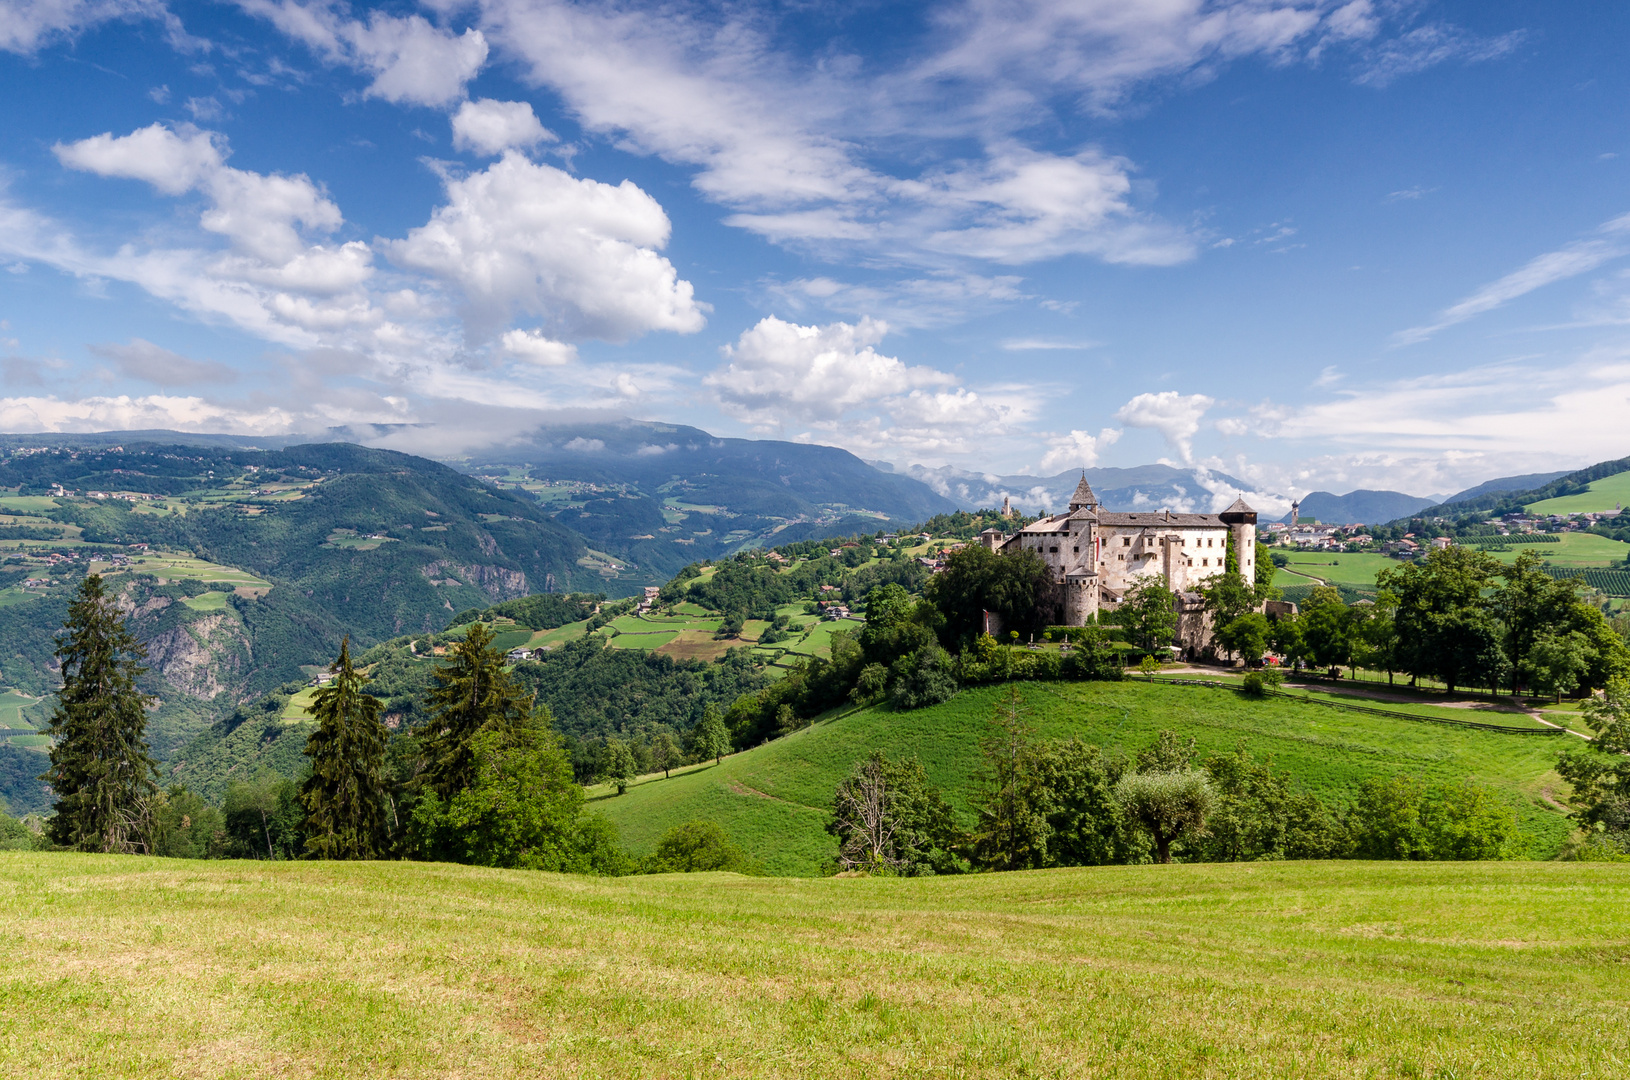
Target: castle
(1094,556)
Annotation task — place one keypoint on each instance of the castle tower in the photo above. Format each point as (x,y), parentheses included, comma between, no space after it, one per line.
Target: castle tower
(1007,507)
(1241,520)
(1083,499)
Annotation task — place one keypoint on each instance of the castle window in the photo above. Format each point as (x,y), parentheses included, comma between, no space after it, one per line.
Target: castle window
(1210,542)
(1054,550)
(1078,551)
(1126,541)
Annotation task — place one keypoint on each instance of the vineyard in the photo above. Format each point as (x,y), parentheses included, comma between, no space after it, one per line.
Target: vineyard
(1611,582)
(1505,541)
(1350,594)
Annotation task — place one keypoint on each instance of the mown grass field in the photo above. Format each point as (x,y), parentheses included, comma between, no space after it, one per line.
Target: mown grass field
(773,799)
(1602,496)
(132,967)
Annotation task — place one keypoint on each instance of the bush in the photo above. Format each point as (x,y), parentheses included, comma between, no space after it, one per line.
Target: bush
(924,678)
(1398,818)
(699,847)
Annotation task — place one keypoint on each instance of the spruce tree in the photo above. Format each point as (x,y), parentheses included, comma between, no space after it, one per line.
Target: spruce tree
(471,690)
(345,797)
(100,769)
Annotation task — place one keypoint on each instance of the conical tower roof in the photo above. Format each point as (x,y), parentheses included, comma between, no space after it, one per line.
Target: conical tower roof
(1239,507)
(1083,497)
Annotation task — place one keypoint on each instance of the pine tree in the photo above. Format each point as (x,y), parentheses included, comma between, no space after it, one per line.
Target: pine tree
(471,690)
(100,769)
(345,796)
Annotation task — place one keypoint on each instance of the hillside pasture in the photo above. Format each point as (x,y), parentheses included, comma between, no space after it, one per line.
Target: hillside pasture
(1354,568)
(138,967)
(773,798)
(1602,496)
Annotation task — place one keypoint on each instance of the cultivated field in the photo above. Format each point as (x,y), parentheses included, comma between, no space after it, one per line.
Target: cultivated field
(124,966)
(774,799)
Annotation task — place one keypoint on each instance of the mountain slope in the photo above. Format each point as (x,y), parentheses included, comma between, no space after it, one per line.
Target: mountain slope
(1499,485)
(663,495)
(1362,506)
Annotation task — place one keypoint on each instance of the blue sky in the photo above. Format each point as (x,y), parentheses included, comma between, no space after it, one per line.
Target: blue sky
(1312,243)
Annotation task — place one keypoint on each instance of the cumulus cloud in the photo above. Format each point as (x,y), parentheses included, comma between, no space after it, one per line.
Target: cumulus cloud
(277,278)
(783,370)
(534,348)
(490,127)
(523,239)
(141,359)
(1076,449)
(173,160)
(1175,416)
(1611,241)
(410,60)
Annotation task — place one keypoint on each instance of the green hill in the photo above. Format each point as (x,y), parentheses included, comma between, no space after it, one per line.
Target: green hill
(129,966)
(1602,496)
(773,799)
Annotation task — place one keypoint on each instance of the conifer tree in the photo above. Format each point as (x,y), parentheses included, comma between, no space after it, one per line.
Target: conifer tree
(471,690)
(100,768)
(345,797)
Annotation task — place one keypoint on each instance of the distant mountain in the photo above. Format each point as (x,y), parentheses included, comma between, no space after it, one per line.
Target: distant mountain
(659,496)
(1505,485)
(1360,507)
(1152,487)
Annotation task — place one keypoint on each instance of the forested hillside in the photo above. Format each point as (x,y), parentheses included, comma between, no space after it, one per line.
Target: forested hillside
(242,569)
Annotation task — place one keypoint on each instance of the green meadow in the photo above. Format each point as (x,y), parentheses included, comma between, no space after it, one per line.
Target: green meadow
(773,799)
(1602,496)
(133,967)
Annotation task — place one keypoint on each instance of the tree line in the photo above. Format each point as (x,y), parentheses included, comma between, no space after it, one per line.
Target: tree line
(1050,803)
(486,780)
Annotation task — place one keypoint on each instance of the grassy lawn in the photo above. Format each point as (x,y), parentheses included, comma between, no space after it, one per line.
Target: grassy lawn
(27,504)
(773,799)
(299,706)
(1602,495)
(1342,567)
(133,967)
(12,703)
(558,636)
(210,601)
(175,566)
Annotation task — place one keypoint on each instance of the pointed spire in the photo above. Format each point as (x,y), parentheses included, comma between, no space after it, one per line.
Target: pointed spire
(1083,497)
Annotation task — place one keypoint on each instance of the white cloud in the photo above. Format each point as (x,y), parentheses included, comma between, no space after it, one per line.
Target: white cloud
(27,25)
(491,127)
(534,348)
(522,239)
(1427,46)
(272,280)
(173,161)
(1175,416)
(124,413)
(1046,344)
(1612,240)
(411,60)
(781,370)
(1076,448)
(939,299)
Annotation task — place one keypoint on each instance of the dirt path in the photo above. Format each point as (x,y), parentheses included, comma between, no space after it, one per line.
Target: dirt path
(742,789)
